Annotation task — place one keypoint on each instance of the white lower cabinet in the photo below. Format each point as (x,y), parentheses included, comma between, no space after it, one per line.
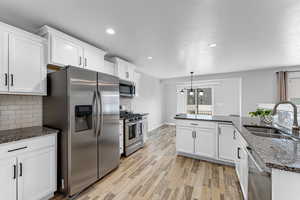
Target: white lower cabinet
(36,175)
(185,139)
(241,164)
(28,169)
(227,138)
(8,180)
(205,142)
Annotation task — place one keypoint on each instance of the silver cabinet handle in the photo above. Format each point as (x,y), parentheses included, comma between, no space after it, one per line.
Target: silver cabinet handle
(12,80)
(85,62)
(80,61)
(194,134)
(194,124)
(234,134)
(21,169)
(15,172)
(127,74)
(6,79)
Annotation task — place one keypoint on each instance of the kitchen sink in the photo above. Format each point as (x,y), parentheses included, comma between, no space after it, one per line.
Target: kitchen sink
(265,131)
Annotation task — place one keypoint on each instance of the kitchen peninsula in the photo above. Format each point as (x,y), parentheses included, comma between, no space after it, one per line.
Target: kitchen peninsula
(227,140)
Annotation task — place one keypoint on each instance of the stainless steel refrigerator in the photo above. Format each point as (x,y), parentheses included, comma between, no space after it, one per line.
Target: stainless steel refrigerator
(84,105)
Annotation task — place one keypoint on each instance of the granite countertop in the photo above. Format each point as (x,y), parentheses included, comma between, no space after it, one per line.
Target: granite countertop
(265,147)
(24,133)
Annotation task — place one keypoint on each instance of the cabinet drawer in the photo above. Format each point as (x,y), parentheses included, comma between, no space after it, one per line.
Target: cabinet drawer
(26,145)
(195,123)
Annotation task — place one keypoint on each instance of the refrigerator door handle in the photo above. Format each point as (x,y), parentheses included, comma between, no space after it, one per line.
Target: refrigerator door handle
(101,113)
(95,112)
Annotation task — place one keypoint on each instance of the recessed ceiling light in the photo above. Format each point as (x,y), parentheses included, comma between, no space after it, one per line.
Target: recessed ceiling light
(110,31)
(149,57)
(212,45)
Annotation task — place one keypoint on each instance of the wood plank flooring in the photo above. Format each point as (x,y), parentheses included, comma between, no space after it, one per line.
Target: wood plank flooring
(157,173)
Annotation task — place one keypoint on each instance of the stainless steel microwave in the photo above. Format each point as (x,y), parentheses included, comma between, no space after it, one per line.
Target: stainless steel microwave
(127,88)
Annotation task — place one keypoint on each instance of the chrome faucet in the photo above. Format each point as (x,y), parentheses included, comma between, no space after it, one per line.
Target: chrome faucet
(295,127)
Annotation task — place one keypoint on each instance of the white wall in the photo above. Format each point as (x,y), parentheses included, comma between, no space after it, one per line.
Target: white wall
(149,100)
(258,86)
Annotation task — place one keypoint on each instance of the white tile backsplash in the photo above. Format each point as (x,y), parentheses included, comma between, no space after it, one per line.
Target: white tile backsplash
(20,111)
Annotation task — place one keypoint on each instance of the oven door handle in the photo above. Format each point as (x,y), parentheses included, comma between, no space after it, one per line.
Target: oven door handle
(131,124)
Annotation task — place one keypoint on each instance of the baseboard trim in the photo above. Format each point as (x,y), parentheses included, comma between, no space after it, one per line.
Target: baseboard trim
(205,158)
(169,124)
(156,127)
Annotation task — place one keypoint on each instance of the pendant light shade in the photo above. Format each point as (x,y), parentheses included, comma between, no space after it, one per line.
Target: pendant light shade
(191,92)
(201,92)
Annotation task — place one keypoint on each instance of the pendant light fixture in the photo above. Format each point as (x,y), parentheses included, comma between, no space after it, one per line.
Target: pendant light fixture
(192,90)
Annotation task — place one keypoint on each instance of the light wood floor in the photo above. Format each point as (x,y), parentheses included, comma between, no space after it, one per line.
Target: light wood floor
(155,172)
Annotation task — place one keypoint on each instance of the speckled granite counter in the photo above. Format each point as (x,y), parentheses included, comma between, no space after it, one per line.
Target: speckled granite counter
(24,133)
(266,148)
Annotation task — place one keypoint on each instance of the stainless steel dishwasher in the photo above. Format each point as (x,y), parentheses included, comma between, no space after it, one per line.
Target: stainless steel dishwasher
(259,178)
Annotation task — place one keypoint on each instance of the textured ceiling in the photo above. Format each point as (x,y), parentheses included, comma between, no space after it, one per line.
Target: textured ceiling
(249,34)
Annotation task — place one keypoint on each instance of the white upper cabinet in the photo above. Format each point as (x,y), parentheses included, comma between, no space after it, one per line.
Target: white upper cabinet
(22,62)
(93,59)
(124,69)
(26,65)
(109,68)
(65,52)
(3,61)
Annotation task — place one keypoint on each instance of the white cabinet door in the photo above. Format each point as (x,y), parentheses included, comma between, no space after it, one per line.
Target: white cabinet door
(3,61)
(37,172)
(93,59)
(122,69)
(184,139)
(130,72)
(244,172)
(27,68)
(205,142)
(65,52)
(8,181)
(109,68)
(226,143)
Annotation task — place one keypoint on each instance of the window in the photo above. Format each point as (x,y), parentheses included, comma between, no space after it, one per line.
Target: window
(293,87)
(200,101)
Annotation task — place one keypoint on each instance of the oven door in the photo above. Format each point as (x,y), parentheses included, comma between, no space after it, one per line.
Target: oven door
(132,133)
(259,181)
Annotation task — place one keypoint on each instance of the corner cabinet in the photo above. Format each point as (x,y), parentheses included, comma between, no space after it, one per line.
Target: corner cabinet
(28,168)
(22,62)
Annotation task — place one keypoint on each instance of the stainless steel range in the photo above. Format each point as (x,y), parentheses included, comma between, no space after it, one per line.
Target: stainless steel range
(133,132)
